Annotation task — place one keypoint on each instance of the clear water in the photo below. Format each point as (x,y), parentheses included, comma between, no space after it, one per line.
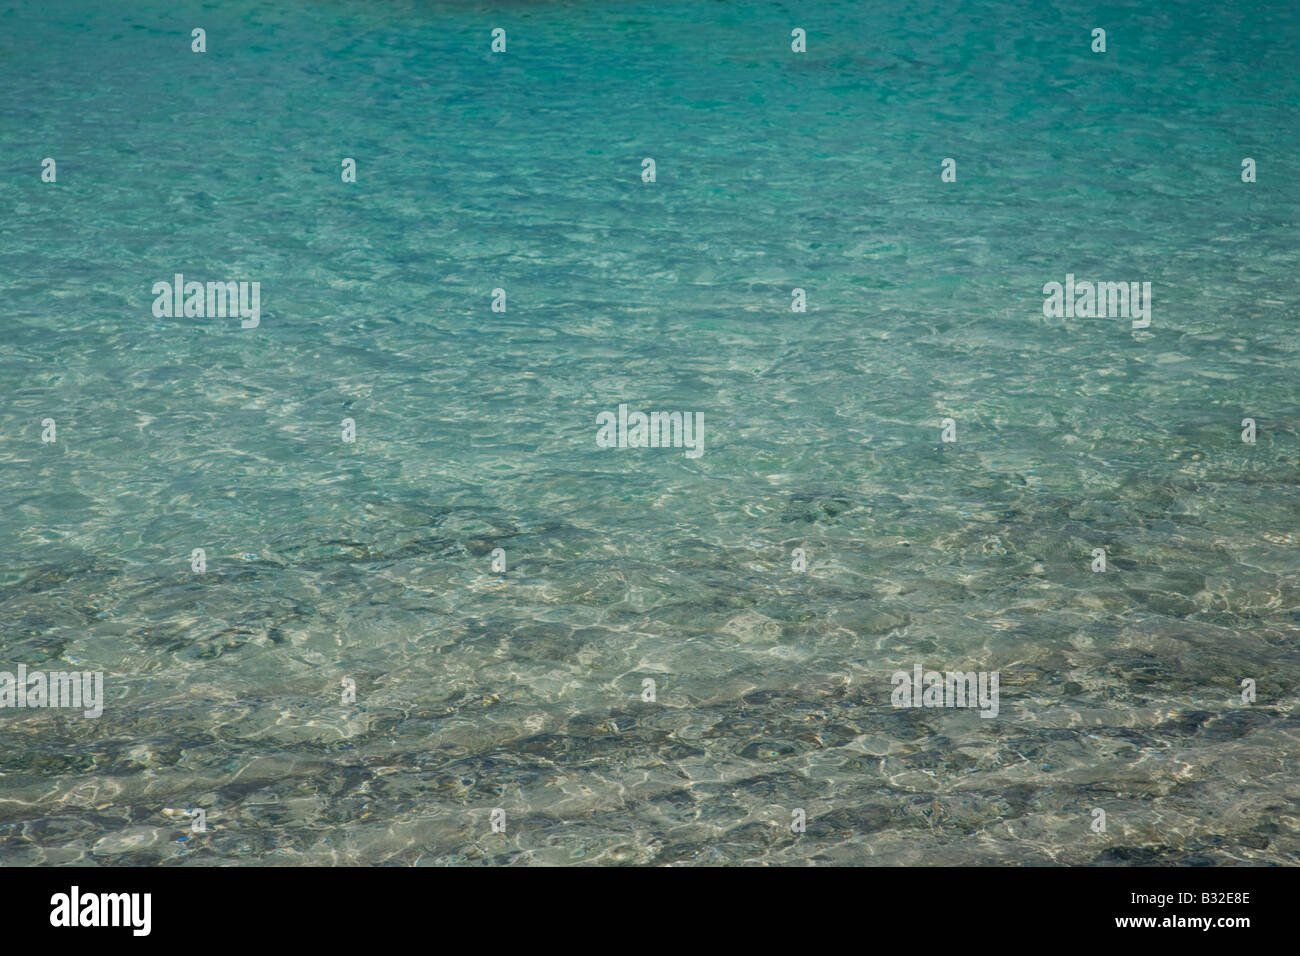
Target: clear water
(476,430)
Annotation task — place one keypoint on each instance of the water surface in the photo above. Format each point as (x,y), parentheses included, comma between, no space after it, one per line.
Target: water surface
(476,431)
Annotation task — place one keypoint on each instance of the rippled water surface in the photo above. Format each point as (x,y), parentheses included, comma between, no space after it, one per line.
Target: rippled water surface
(476,431)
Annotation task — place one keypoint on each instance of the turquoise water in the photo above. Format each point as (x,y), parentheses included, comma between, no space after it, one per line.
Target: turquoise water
(476,430)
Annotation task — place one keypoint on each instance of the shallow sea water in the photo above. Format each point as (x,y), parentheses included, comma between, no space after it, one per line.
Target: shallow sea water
(476,430)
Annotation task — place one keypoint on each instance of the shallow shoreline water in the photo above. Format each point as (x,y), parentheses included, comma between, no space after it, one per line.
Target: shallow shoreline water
(476,430)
